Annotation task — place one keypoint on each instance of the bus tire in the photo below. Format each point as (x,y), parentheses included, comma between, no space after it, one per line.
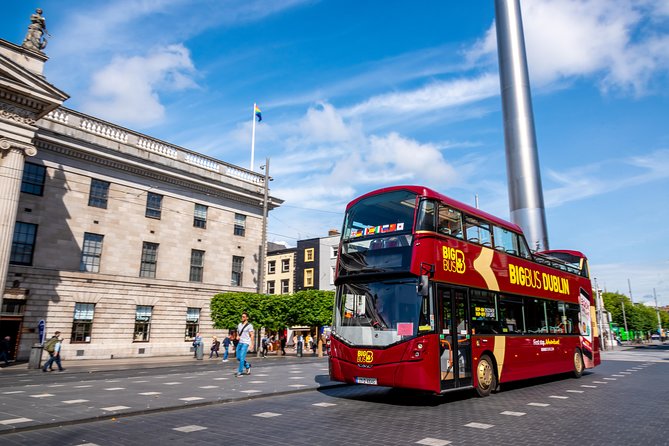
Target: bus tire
(486,378)
(579,365)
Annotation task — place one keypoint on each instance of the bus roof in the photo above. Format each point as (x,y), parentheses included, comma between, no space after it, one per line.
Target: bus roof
(430,193)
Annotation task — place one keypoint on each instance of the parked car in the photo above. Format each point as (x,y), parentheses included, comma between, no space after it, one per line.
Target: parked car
(655,337)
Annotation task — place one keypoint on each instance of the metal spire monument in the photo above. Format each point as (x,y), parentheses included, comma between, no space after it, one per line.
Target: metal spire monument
(526,199)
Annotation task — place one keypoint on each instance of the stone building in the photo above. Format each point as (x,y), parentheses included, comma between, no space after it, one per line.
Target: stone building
(114,238)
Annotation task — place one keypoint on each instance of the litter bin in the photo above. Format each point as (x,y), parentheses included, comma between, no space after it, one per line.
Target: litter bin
(35,361)
(199,351)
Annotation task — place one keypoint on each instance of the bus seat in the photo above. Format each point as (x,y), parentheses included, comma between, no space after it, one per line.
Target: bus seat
(376,244)
(392,242)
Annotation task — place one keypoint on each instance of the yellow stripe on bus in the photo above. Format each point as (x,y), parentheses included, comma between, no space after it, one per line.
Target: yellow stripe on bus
(482,266)
(499,351)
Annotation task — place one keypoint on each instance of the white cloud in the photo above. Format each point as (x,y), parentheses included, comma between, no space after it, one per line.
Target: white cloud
(602,178)
(437,95)
(573,38)
(128,89)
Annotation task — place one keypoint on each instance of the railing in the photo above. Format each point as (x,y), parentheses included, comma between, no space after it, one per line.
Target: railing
(90,125)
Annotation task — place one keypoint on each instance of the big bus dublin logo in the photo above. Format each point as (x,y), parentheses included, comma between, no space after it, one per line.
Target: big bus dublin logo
(365,356)
(453,259)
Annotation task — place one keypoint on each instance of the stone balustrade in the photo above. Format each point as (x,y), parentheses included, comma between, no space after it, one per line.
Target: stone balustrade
(89,125)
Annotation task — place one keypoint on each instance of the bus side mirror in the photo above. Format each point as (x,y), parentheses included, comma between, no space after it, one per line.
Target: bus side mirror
(423,285)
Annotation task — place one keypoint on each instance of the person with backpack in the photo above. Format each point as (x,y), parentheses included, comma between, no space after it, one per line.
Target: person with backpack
(53,346)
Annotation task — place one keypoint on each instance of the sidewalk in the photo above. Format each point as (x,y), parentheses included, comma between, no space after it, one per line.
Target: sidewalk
(91,390)
(96,365)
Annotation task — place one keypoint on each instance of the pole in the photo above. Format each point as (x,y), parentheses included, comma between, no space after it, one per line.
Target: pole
(263,246)
(624,317)
(629,286)
(526,198)
(598,309)
(657,310)
(253,134)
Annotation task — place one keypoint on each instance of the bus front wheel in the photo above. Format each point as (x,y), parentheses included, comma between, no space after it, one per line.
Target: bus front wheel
(485,376)
(579,366)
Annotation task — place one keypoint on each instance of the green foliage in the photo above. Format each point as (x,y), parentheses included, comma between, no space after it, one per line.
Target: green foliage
(273,311)
(639,317)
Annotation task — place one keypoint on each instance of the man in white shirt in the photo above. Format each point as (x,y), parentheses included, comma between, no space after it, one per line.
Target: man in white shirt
(245,335)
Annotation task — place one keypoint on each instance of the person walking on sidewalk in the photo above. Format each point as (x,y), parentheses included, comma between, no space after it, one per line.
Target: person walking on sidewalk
(226,347)
(215,346)
(55,356)
(245,335)
(5,347)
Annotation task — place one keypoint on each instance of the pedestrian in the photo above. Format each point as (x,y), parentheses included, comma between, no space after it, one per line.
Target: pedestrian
(226,347)
(283,345)
(5,347)
(50,346)
(263,342)
(215,346)
(300,344)
(246,336)
(314,345)
(196,343)
(55,355)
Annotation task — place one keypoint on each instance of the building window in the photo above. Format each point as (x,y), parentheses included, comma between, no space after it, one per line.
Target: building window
(332,275)
(271,267)
(149,260)
(33,179)
(23,244)
(309,255)
(91,252)
(309,277)
(13,307)
(200,216)
(237,268)
(142,323)
(285,286)
(333,252)
(99,194)
(196,265)
(192,323)
(82,323)
(285,265)
(154,205)
(240,224)
(270,287)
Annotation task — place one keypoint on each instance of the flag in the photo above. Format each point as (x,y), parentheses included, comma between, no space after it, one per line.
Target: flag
(257,112)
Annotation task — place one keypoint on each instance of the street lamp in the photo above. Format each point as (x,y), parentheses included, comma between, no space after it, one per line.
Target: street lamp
(263,247)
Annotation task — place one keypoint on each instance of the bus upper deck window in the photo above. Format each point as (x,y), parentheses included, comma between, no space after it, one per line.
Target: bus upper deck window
(426,214)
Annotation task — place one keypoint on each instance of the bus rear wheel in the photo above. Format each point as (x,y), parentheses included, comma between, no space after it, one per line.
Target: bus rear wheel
(485,376)
(579,366)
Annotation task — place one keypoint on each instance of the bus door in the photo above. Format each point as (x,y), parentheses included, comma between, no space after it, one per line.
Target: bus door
(455,339)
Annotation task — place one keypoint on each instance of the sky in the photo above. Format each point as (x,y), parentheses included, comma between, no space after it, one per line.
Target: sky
(360,95)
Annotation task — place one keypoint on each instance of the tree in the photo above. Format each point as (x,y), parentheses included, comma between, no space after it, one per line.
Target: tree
(311,307)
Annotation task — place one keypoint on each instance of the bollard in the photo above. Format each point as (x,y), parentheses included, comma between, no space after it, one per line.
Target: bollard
(35,361)
(199,351)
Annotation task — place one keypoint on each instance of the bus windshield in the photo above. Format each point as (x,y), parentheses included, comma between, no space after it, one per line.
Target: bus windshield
(384,214)
(378,314)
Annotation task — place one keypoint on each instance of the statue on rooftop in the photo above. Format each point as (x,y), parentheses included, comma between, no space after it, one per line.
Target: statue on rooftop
(36,37)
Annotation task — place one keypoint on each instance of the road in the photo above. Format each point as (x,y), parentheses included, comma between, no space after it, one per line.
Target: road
(621,402)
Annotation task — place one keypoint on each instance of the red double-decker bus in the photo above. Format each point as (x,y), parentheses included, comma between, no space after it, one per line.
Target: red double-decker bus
(435,295)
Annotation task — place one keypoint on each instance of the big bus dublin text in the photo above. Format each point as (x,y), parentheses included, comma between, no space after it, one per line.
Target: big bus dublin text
(435,295)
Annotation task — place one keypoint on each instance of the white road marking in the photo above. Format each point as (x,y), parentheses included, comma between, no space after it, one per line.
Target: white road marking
(190,428)
(15,421)
(433,442)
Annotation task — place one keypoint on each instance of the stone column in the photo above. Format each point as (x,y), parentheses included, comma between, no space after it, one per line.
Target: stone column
(12,160)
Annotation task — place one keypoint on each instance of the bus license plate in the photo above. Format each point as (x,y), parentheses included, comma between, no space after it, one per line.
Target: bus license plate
(363,380)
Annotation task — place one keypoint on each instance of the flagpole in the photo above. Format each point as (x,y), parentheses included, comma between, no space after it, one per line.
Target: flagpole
(253,134)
